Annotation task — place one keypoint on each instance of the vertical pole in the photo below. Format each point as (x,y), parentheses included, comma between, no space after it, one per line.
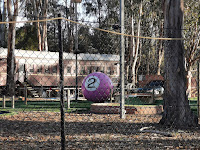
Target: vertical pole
(198,100)
(62,104)
(13,101)
(122,51)
(153,96)
(25,93)
(4,102)
(68,98)
(76,51)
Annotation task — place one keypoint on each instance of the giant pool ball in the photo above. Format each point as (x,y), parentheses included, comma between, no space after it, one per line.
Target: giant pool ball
(97,87)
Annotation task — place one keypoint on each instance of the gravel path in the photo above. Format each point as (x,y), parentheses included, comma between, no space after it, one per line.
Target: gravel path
(41,130)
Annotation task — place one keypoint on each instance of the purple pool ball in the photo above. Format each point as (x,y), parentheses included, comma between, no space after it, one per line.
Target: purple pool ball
(96,87)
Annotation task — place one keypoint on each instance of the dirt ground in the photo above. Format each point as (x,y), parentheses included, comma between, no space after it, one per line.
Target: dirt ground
(41,130)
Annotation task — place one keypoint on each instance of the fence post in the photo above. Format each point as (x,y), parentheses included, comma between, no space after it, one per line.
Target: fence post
(13,101)
(4,102)
(25,93)
(122,52)
(62,104)
(68,98)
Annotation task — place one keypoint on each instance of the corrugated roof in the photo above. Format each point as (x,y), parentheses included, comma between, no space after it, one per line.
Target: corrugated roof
(55,55)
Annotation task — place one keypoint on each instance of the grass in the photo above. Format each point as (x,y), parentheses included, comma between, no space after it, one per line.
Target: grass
(46,106)
(138,101)
(75,106)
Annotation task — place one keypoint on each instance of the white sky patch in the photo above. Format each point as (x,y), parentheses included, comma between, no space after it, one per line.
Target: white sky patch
(20,18)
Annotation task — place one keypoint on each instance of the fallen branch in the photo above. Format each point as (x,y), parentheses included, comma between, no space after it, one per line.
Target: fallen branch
(144,130)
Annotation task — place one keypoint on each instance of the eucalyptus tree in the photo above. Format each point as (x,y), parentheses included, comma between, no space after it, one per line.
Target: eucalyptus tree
(12,10)
(26,38)
(153,27)
(177,111)
(37,10)
(104,14)
(192,33)
(3,5)
(134,53)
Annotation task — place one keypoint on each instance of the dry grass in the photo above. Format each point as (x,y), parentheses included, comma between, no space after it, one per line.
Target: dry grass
(41,130)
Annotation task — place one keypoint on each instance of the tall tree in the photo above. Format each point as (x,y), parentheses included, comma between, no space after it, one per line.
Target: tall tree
(37,10)
(192,29)
(133,48)
(105,14)
(177,111)
(2,19)
(12,8)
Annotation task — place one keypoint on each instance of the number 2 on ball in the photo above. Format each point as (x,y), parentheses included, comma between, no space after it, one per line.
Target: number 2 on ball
(91,82)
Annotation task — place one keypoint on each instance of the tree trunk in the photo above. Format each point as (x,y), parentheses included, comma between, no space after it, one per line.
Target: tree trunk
(177,111)
(131,49)
(2,26)
(136,49)
(40,9)
(10,82)
(160,51)
(37,24)
(44,27)
(70,27)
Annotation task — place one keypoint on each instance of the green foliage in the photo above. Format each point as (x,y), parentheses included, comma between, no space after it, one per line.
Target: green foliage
(26,38)
(106,14)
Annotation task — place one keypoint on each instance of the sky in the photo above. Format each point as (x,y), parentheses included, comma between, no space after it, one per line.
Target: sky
(61,2)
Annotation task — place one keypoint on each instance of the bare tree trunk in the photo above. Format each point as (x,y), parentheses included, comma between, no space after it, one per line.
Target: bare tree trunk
(148,63)
(136,49)
(44,27)
(131,52)
(2,26)
(10,82)
(40,9)
(70,26)
(177,111)
(39,36)
(133,49)
(36,6)
(160,51)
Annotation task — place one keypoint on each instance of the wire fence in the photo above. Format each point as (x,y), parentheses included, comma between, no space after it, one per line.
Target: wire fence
(62,88)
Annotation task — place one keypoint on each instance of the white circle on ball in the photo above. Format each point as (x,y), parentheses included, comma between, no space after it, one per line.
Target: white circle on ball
(92,83)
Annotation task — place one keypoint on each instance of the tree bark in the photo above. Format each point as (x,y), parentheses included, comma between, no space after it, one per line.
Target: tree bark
(160,51)
(177,111)
(44,27)
(2,26)
(70,27)
(40,9)
(134,50)
(10,82)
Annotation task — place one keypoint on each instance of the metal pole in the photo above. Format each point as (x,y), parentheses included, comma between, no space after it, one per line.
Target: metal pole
(13,101)
(68,98)
(4,102)
(198,100)
(122,51)
(25,93)
(76,51)
(62,104)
